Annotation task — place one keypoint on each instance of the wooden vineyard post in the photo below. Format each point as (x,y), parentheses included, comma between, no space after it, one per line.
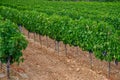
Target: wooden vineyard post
(40,39)
(55,45)
(8,68)
(66,49)
(90,56)
(77,50)
(47,41)
(58,46)
(34,36)
(1,65)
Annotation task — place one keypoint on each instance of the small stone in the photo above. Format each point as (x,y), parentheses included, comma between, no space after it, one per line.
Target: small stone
(68,60)
(23,75)
(38,66)
(78,69)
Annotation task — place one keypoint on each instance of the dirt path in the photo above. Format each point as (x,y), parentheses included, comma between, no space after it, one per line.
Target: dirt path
(44,64)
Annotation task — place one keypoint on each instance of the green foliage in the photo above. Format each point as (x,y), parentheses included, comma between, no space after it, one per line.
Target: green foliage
(90,35)
(12,42)
(87,0)
(103,11)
